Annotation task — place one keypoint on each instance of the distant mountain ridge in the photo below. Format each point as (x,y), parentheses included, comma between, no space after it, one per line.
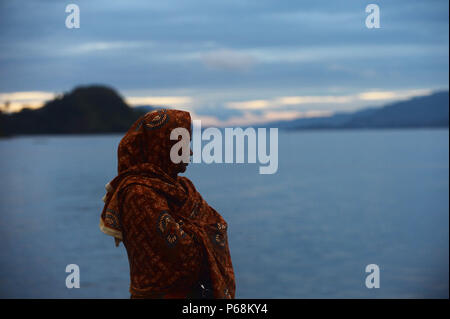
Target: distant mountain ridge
(423,111)
(100,109)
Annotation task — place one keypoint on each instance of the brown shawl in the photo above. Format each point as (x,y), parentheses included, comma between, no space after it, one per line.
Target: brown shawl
(174,240)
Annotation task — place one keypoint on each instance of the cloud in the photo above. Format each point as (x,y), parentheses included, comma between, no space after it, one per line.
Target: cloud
(224,59)
(391,95)
(329,100)
(281,45)
(15,101)
(252,118)
(26,96)
(295,100)
(90,47)
(290,115)
(170,101)
(250,105)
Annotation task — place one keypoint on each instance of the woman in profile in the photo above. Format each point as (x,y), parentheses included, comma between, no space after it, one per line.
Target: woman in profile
(176,243)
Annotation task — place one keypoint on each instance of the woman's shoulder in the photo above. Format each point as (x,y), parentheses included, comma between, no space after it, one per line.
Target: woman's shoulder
(145,185)
(138,196)
(138,189)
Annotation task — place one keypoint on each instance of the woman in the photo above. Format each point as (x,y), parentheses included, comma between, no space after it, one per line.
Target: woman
(176,243)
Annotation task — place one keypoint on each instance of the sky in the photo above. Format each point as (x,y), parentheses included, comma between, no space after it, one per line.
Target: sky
(227,62)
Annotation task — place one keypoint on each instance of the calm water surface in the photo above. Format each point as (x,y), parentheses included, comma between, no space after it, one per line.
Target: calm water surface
(340,201)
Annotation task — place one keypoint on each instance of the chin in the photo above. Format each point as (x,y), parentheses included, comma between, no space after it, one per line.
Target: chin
(182,168)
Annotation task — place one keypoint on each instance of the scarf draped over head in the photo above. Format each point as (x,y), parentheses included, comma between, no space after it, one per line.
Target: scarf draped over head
(174,239)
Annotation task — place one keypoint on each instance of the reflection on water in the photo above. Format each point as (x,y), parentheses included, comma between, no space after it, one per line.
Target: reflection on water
(340,201)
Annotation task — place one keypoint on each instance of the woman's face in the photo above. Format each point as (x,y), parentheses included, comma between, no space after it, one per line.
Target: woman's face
(181,167)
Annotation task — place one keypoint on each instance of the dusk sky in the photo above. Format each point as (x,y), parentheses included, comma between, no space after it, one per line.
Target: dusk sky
(227,62)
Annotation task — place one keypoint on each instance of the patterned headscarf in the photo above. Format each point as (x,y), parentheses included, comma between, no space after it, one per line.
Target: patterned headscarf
(148,140)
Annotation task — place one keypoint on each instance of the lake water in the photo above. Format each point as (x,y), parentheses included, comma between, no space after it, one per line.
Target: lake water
(340,200)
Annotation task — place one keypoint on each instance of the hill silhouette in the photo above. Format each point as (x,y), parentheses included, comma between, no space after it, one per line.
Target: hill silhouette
(423,111)
(91,109)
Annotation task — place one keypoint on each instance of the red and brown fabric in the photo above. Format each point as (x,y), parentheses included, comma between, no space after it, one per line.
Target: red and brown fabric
(174,240)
